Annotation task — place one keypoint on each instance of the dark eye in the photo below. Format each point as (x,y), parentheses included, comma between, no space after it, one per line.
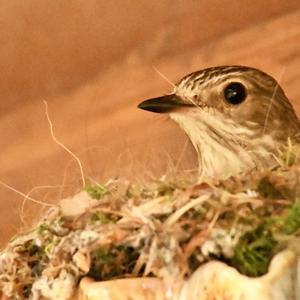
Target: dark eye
(235,93)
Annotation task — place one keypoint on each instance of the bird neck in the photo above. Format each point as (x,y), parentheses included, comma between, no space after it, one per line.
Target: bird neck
(224,148)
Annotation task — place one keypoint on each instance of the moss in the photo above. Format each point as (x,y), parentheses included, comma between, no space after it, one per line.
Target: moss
(255,249)
(165,189)
(96,191)
(43,227)
(291,222)
(254,252)
(133,191)
(101,218)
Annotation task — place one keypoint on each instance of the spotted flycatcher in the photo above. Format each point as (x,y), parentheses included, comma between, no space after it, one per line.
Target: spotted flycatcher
(236,117)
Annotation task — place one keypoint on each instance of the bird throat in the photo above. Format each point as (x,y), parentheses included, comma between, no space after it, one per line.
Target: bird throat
(224,148)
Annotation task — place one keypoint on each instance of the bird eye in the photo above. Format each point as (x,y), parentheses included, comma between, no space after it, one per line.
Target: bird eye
(235,93)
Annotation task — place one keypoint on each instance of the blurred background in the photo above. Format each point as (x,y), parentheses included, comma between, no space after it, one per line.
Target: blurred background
(93,61)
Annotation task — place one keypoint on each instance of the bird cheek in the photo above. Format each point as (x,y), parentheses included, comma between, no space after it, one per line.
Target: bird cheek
(243,112)
(215,99)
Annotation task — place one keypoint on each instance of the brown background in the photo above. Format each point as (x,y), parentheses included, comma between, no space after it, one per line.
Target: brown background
(93,61)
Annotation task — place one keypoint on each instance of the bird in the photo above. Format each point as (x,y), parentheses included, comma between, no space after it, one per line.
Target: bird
(235,116)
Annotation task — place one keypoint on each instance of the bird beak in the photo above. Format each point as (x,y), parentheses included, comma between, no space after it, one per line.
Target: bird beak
(164,104)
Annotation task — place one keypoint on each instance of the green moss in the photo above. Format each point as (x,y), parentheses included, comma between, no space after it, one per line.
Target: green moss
(166,189)
(291,222)
(101,218)
(43,227)
(133,191)
(254,251)
(96,191)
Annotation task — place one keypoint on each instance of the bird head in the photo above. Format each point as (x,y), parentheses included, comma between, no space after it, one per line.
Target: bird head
(235,117)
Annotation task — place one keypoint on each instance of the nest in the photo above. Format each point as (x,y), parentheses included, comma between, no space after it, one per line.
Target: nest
(165,229)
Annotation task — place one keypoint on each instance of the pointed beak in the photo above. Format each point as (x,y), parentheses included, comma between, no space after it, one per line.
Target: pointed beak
(164,104)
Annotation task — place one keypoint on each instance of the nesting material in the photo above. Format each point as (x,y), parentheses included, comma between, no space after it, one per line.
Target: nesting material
(172,239)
